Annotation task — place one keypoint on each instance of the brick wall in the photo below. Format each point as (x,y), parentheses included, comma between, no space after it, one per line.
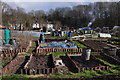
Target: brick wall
(38,71)
(9,53)
(57,50)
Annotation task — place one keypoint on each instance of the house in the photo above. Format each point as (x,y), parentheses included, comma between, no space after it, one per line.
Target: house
(116,31)
(36,26)
(50,27)
(105,30)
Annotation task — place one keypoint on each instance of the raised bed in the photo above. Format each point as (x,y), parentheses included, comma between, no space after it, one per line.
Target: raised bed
(111,59)
(94,45)
(40,62)
(13,66)
(92,64)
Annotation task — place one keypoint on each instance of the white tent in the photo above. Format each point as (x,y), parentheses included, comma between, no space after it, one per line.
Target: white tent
(104,35)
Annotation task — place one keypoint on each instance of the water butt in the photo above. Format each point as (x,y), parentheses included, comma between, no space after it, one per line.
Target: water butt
(62,33)
(86,53)
(110,51)
(70,34)
(7,36)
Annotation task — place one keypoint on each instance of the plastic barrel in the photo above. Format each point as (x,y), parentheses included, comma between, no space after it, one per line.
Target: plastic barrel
(65,32)
(7,35)
(69,34)
(62,33)
(86,54)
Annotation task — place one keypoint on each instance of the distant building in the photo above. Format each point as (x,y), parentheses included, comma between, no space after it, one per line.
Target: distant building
(116,30)
(16,26)
(50,27)
(105,30)
(98,29)
(36,25)
(2,27)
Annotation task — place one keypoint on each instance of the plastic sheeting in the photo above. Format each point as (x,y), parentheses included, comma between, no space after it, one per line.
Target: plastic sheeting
(62,44)
(28,33)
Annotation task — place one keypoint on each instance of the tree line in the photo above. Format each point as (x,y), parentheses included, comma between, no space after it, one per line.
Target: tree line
(104,14)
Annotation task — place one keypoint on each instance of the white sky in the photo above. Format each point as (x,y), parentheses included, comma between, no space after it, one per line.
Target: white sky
(28,6)
(59,0)
(46,5)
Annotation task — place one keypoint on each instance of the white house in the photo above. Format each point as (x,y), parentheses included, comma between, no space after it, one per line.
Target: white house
(49,27)
(36,25)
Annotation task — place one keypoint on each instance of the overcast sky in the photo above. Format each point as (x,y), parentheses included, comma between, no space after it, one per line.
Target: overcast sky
(46,5)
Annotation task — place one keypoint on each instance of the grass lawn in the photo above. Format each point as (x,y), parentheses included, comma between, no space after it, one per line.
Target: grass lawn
(23,53)
(79,44)
(95,53)
(15,76)
(90,73)
(117,67)
(115,37)
(54,37)
(86,74)
(30,50)
(33,44)
(21,76)
(60,53)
